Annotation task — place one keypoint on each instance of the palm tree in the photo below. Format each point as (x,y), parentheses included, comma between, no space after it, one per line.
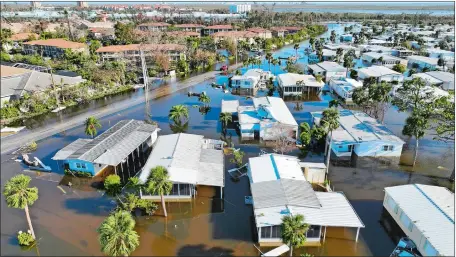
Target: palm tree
(91,126)
(339,53)
(294,231)
(178,112)
(275,62)
(269,58)
(117,236)
(320,53)
(158,184)
(312,43)
(19,195)
(205,99)
(330,121)
(296,47)
(225,117)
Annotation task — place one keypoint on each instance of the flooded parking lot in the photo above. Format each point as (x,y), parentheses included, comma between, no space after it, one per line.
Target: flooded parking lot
(65,219)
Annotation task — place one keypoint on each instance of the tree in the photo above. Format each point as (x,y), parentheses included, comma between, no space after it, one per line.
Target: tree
(416,126)
(124,33)
(333,36)
(330,121)
(320,53)
(399,68)
(296,47)
(275,62)
(294,231)
(112,185)
(441,62)
(416,96)
(339,53)
(19,195)
(5,36)
(444,119)
(353,74)
(116,234)
(225,117)
(205,99)
(269,58)
(158,184)
(282,136)
(91,126)
(373,97)
(94,45)
(162,61)
(178,112)
(348,62)
(312,43)
(238,157)
(305,134)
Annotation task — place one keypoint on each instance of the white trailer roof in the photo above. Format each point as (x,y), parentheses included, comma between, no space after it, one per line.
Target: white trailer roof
(431,209)
(335,211)
(269,167)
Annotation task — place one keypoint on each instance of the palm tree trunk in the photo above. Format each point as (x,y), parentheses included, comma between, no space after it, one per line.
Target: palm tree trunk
(29,221)
(416,152)
(328,155)
(452,175)
(291,250)
(164,206)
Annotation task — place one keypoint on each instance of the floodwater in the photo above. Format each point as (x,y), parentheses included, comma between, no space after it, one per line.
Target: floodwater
(65,219)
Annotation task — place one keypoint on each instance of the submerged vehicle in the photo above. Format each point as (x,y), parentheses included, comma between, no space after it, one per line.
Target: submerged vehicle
(405,247)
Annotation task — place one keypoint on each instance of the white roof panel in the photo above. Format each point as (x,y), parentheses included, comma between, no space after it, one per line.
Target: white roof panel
(290,79)
(269,167)
(335,211)
(377,71)
(230,106)
(280,111)
(431,208)
(428,60)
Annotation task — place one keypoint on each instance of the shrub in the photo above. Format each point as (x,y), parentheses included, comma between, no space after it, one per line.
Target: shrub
(237,157)
(25,238)
(9,112)
(112,185)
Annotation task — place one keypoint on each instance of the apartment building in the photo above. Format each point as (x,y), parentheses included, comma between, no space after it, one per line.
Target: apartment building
(52,47)
(154,26)
(217,28)
(132,52)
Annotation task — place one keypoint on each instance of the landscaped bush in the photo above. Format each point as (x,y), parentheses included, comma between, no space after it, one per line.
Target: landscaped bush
(81,174)
(112,185)
(25,238)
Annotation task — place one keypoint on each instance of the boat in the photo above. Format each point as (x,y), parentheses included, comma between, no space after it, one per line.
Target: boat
(405,247)
(36,164)
(11,130)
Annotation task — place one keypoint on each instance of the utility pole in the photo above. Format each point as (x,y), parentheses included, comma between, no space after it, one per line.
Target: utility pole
(146,82)
(55,91)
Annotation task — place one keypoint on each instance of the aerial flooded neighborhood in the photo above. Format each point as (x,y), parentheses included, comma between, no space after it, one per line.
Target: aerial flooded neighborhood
(227,128)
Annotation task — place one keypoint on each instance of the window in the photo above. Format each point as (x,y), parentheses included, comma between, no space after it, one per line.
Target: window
(83,166)
(78,165)
(184,189)
(390,201)
(276,231)
(351,147)
(429,249)
(388,148)
(406,221)
(265,232)
(174,190)
(313,232)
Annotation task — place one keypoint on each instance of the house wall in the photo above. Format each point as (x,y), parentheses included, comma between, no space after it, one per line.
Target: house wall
(272,234)
(408,227)
(247,130)
(80,165)
(179,192)
(315,175)
(375,149)
(421,64)
(4,100)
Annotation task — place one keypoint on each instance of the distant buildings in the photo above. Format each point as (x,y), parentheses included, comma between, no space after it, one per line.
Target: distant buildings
(328,70)
(191,27)
(425,214)
(240,8)
(441,79)
(297,84)
(422,62)
(251,80)
(154,26)
(191,160)
(217,28)
(15,82)
(52,47)
(83,4)
(362,136)
(344,87)
(132,52)
(35,4)
(381,73)
(247,36)
(119,150)
(383,59)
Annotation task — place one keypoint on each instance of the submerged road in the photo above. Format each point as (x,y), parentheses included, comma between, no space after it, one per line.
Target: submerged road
(13,142)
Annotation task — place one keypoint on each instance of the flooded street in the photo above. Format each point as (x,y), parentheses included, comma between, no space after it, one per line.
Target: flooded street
(65,219)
